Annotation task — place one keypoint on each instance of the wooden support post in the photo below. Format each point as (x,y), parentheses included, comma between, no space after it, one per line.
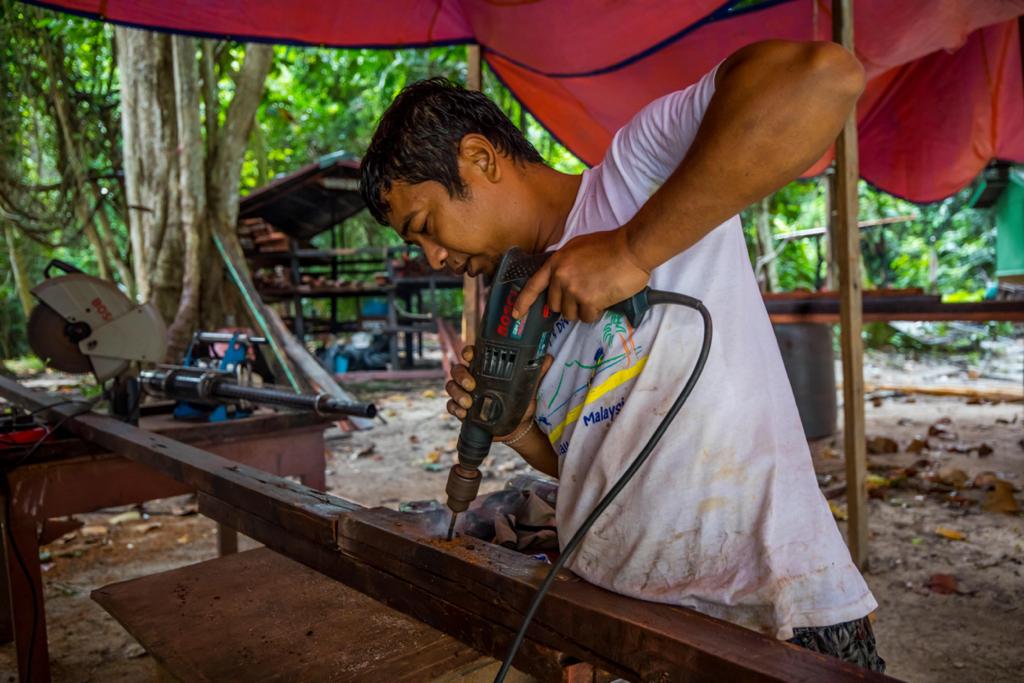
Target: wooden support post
(471,286)
(847,251)
(831,276)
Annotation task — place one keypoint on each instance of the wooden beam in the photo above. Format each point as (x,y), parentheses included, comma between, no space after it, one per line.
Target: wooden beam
(472,590)
(477,592)
(824,307)
(472,287)
(847,250)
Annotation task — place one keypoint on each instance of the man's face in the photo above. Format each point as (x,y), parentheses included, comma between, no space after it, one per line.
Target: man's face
(466,234)
(460,234)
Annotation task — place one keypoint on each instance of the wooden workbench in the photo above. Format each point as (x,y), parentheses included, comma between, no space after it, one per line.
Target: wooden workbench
(71,476)
(475,592)
(259,616)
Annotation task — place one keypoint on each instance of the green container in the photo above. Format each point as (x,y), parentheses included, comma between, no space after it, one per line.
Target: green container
(1010,228)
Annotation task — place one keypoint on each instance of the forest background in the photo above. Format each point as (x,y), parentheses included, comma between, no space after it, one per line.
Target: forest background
(210,120)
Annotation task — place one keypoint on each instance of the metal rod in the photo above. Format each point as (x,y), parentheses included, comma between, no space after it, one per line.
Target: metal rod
(204,386)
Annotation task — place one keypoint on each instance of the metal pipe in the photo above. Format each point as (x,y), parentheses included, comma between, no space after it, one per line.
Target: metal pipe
(211,386)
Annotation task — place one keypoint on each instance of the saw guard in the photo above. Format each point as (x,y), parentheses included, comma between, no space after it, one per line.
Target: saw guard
(120,330)
(139,335)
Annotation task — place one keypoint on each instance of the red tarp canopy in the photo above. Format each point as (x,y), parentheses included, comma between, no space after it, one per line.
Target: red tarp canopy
(945,94)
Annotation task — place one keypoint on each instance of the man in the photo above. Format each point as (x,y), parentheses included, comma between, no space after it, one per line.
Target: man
(725,516)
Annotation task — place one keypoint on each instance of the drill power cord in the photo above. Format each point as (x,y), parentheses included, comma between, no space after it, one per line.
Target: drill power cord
(654,297)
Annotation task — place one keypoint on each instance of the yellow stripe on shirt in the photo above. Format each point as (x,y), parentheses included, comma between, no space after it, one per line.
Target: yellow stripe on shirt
(595,393)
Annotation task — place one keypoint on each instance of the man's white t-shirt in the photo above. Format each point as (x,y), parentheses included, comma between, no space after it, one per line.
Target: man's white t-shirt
(726,515)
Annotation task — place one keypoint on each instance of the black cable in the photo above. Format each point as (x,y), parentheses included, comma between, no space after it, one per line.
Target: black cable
(654,297)
(8,511)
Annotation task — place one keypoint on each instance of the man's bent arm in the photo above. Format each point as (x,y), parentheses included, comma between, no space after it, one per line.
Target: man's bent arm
(536,450)
(776,109)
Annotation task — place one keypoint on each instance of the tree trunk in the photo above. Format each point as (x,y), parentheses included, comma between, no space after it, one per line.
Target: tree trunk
(224,172)
(180,191)
(106,234)
(150,136)
(21,282)
(193,191)
(768,272)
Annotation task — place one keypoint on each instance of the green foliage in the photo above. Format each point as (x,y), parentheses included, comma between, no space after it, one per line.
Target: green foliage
(36,197)
(944,248)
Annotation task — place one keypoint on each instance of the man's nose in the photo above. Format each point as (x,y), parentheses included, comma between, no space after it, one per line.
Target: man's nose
(435,253)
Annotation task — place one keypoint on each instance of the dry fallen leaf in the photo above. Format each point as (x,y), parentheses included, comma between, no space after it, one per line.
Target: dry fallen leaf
(951,534)
(918,445)
(943,584)
(413,438)
(952,476)
(882,444)
(432,456)
(985,479)
(429,393)
(875,481)
(940,430)
(837,511)
(129,516)
(363,452)
(985,450)
(93,530)
(999,498)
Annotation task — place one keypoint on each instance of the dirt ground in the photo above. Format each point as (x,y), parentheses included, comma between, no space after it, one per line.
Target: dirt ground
(945,567)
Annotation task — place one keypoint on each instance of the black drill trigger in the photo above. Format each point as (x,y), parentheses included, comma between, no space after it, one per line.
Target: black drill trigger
(634,307)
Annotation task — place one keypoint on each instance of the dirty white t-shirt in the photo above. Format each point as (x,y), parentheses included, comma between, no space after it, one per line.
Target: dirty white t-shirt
(726,515)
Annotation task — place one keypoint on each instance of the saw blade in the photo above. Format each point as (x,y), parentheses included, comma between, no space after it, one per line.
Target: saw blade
(48,338)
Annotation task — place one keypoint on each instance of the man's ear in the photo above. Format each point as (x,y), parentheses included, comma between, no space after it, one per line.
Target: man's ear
(477,154)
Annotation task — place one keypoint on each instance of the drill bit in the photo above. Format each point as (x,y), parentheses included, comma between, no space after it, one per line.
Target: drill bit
(451,526)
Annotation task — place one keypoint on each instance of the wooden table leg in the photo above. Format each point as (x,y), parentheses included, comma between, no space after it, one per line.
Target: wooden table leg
(6,623)
(27,607)
(227,540)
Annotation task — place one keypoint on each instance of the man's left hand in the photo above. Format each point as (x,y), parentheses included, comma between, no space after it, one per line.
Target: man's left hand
(586,276)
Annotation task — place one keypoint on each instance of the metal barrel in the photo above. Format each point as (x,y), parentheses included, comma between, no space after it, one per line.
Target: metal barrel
(210,386)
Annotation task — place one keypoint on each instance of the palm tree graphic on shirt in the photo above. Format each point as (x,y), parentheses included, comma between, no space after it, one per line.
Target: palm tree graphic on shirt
(618,328)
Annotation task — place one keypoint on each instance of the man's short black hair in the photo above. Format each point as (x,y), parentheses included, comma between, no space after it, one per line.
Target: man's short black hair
(418,139)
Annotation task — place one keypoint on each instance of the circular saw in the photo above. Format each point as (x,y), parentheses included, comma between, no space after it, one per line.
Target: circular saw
(85,324)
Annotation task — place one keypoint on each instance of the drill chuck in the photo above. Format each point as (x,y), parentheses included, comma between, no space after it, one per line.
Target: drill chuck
(463,486)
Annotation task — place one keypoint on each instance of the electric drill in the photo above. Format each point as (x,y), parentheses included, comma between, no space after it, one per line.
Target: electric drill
(506,366)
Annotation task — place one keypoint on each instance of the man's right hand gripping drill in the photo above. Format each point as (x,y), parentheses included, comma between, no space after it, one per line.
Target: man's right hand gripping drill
(526,439)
